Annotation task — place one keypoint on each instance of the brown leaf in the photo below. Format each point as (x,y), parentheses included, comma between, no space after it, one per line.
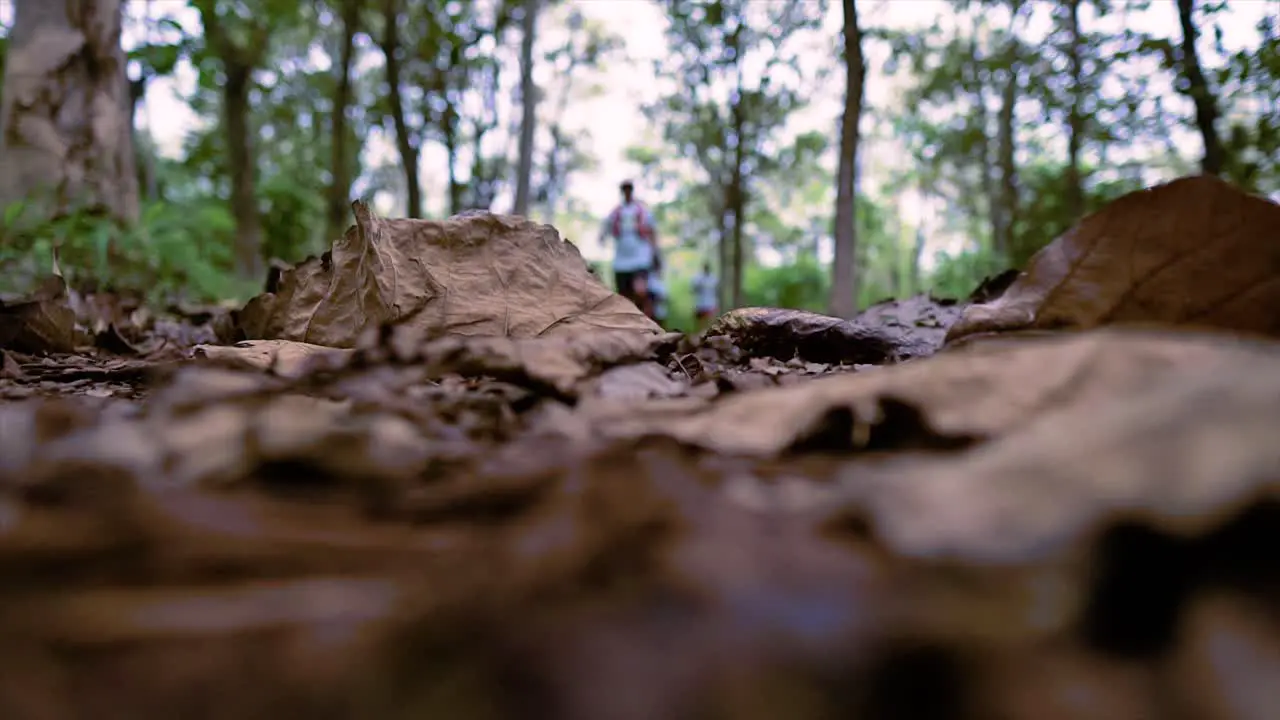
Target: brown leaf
(984,392)
(553,363)
(1193,252)
(10,369)
(784,334)
(282,357)
(473,274)
(41,323)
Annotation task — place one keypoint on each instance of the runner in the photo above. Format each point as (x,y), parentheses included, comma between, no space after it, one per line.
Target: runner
(704,297)
(635,248)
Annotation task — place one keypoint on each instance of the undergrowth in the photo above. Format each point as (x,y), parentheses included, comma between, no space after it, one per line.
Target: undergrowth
(174,251)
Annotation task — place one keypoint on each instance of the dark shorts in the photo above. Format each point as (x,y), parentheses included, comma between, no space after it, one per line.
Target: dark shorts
(626,281)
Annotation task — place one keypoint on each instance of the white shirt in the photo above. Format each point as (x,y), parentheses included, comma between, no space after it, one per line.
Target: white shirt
(632,252)
(704,291)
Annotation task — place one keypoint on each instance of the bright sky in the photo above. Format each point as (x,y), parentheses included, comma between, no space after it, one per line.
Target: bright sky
(614,121)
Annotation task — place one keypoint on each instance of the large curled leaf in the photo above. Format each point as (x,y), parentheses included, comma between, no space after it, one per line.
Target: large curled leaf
(473,274)
(976,394)
(1192,252)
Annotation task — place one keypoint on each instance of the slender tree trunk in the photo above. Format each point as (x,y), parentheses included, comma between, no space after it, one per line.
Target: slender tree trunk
(144,157)
(1075,117)
(844,271)
(982,81)
(244,203)
(528,104)
(404,141)
(1198,88)
(726,255)
(738,196)
(238,63)
(339,199)
(736,199)
(451,154)
(1006,145)
(65,110)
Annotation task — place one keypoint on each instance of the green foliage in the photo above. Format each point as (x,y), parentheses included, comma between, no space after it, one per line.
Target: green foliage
(720,144)
(174,251)
(955,276)
(802,285)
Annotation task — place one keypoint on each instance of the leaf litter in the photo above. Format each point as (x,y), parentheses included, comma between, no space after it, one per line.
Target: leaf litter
(468,481)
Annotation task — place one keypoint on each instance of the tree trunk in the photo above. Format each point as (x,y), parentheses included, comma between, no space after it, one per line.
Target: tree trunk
(1198,89)
(239,58)
(339,199)
(451,147)
(404,142)
(738,199)
(528,104)
(1005,141)
(726,256)
(1075,118)
(244,201)
(844,271)
(144,157)
(64,114)
(981,82)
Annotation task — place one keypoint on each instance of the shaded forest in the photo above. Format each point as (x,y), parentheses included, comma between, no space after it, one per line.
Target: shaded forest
(318,396)
(764,145)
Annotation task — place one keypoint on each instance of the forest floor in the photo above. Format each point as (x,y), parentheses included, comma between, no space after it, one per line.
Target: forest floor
(443,472)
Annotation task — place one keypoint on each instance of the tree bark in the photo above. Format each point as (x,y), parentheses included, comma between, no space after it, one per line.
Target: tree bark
(238,64)
(1075,117)
(844,271)
(1006,143)
(1198,88)
(528,104)
(737,204)
(144,157)
(65,137)
(244,197)
(339,199)
(404,142)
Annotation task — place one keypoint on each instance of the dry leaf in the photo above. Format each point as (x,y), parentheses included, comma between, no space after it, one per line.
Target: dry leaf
(556,363)
(41,323)
(784,334)
(978,393)
(1193,252)
(472,274)
(282,357)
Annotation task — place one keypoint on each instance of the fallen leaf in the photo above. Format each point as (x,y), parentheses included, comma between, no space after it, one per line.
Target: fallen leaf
(638,381)
(281,357)
(475,274)
(554,363)
(41,323)
(785,334)
(979,393)
(1192,252)
(10,369)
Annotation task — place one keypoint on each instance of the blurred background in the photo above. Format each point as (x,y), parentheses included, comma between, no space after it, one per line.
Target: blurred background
(979,130)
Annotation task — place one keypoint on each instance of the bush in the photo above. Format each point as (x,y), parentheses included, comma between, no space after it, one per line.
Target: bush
(173,251)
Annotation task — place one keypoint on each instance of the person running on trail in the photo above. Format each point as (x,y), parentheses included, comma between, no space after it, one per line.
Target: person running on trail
(704,296)
(635,252)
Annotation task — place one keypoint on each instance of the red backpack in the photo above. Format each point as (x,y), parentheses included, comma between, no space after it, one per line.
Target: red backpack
(644,229)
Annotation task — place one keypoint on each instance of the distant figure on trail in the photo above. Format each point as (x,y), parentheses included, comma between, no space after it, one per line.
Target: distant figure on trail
(704,297)
(658,296)
(635,251)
